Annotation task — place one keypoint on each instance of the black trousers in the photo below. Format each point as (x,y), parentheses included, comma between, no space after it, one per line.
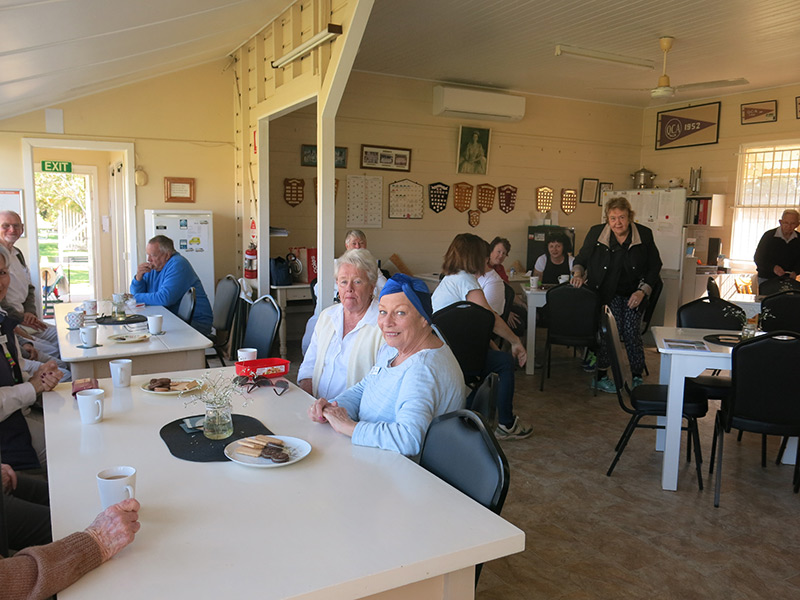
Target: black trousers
(28,513)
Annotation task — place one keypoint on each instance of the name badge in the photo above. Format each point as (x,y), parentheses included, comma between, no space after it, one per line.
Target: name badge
(374,370)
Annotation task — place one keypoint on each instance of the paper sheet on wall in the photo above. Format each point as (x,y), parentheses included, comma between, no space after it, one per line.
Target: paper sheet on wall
(364,201)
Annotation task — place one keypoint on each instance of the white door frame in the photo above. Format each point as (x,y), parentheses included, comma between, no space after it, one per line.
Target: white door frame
(126,207)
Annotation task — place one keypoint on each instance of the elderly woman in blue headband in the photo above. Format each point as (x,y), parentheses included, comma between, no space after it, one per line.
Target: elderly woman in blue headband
(416,377)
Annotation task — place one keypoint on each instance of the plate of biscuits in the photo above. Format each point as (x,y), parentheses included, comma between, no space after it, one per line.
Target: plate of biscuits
(267,451)
(171,387)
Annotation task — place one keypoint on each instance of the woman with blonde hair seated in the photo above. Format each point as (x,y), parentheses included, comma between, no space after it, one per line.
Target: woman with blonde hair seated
(346,337)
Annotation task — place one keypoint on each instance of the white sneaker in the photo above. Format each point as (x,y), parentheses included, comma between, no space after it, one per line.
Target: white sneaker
(518,431)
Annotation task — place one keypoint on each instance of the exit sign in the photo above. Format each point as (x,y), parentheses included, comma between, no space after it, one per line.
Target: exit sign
(57,166)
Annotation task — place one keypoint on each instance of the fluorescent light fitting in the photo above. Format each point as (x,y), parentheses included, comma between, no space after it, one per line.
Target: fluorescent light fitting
(330,32)
(630,61)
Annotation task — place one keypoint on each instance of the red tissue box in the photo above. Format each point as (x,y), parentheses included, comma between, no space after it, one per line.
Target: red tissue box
(266,367)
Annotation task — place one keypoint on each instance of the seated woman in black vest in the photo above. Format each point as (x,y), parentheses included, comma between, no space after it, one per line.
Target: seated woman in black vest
(18,389)
(556,261)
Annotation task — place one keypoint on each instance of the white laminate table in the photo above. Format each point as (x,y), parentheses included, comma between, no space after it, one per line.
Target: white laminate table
(283,295)
(180,347)
(536,299)
(676,365)
(345,522)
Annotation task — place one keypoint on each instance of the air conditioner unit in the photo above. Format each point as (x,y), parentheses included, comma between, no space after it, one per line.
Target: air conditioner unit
(465,103)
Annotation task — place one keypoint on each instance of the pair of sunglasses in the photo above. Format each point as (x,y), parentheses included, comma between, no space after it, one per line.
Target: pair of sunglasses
(279,386)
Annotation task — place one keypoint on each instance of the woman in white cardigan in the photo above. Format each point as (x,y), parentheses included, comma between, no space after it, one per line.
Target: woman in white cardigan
(346,338)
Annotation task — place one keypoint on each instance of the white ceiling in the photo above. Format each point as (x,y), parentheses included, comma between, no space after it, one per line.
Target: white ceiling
(55,50)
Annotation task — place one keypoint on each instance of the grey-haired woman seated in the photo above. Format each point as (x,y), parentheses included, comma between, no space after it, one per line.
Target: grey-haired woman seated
(415,379)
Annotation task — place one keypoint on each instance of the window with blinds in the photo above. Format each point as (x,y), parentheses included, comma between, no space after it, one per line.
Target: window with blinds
(769,183)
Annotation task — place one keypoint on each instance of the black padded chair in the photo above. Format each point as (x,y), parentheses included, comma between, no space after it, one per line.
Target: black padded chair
(649,400)
(769,405)
(467,329)
(262,325)
(776,285)
(460,450)
(781,311)
(573,315)
(226,299)
(186,307)
(484,401)
(712,289)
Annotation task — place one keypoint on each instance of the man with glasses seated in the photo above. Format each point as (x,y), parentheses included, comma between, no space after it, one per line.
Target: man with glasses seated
(38,340)
(778,252)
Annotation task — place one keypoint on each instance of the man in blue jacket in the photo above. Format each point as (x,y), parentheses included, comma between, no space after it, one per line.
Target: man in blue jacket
(166,277)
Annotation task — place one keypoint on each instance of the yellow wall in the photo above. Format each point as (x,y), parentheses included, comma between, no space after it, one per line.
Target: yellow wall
(180,125)
(720,161)
(558,143)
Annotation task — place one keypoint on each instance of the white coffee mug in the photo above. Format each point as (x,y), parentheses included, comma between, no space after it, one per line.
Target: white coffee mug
(154,323)
(534,282)
(89,335)
(247,354)
(116,484)
(563,278)
(90,405)
(74,319)
(121,370)
(90,307)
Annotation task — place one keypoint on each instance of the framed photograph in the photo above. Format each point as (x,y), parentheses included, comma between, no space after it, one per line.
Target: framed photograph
(589,191)
(605,186)
(178,189)
(308,156)
(473,150)
(760,112)
(689,126)
(385,158)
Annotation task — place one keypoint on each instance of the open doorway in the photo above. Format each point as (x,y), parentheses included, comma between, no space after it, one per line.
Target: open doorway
(65,205)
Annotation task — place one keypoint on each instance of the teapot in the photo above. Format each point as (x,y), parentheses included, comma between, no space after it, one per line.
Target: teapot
(643,178)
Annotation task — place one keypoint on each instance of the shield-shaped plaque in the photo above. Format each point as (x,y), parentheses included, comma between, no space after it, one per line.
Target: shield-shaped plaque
(437,195)
(293,191)
(507,197)
(485,197)
(544,198)
(569,201)
(462,196)
(474,218)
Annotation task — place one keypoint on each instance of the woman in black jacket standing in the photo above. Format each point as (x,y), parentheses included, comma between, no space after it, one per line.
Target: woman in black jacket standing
(619,260)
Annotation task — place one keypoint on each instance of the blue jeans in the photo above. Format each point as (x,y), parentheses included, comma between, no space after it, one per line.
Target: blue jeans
(502,363)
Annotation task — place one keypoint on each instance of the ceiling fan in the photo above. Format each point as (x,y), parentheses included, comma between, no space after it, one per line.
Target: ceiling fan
(665,90)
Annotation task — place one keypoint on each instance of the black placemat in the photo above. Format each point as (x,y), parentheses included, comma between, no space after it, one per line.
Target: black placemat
(714,338)
(110,320)
(196,447)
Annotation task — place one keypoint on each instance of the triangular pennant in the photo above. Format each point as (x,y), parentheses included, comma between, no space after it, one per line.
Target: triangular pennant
(507,197)
(462,196)
(474,218)
(485,197)
(437,196)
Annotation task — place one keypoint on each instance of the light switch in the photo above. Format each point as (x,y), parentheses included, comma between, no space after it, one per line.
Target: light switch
(106,223)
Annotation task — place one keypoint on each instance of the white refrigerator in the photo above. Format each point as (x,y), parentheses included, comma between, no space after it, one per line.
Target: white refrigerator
(192,232)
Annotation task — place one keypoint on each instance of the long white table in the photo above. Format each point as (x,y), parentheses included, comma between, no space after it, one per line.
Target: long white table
(345,522)
(180,347)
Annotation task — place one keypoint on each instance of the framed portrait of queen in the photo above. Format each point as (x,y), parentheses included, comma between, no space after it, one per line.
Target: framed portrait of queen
(473,150)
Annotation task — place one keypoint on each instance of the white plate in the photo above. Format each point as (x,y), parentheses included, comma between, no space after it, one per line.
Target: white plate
(129,338)
(296,448)
(172,392)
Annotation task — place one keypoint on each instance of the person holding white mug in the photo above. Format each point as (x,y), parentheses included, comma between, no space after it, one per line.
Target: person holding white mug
(20,384)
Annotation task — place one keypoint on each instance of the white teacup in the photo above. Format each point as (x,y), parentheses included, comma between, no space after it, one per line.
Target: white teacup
(247,354)
(121,370)
(154,324)
(534,282)
(116,484)
(90,307)
(563,278)
(75,319)
(90,405)
(89,335)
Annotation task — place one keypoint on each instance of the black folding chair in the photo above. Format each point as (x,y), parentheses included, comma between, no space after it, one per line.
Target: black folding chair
(467,329)
(262,325)
(226,299)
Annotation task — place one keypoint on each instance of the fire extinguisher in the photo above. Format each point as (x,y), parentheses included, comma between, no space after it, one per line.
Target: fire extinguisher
(251,262)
